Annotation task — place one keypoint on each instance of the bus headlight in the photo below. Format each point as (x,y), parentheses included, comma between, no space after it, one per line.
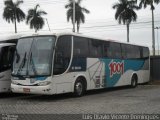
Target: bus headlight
(14,82)
(44,83)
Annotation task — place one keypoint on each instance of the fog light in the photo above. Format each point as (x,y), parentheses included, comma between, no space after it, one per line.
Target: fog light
(44,83)
(14,82)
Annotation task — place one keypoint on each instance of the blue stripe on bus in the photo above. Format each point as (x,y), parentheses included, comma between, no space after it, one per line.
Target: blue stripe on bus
(40,78)
(78,64)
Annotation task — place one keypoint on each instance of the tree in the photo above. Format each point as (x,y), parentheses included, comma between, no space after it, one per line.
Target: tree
(35,19)
(79,13)
(125,12)
(145,3)
(13,13)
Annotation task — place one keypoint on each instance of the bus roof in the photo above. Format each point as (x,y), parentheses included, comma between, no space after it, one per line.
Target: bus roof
(79,35)
(6,44)
(10,37)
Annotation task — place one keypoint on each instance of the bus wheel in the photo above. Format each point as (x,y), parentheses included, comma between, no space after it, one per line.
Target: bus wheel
(134,81)
(79,88)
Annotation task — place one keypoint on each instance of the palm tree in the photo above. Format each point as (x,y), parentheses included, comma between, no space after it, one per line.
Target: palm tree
(145,3)
(79,13)
(125,12)
(12,12)
(35,19)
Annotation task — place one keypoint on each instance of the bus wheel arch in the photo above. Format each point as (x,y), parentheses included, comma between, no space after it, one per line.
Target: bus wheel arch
(134,80)
(80,86)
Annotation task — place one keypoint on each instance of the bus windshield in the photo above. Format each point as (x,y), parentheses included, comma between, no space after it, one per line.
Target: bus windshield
(33,56)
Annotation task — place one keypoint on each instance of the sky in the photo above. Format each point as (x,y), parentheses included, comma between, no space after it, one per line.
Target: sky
(99,23)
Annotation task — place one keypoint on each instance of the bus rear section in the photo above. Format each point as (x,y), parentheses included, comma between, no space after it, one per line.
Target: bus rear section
(6,58)
(55,64)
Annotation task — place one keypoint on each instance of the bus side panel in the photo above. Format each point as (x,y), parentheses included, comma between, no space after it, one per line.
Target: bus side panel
(63,83)
(96,73)
(115,72)
(144,73)
(5,81)
(101,73)
(143,76)
(119,72)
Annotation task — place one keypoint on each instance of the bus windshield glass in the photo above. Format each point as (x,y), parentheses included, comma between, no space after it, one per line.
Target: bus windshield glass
(33,56)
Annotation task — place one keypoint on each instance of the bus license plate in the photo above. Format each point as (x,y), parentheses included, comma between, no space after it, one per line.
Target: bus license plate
(26,90)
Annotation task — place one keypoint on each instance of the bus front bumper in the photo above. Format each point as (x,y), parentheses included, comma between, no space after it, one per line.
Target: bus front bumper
(32,89)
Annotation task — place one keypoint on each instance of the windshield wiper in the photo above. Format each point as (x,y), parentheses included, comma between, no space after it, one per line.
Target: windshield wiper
(22,63)
(17,56)
(33,65)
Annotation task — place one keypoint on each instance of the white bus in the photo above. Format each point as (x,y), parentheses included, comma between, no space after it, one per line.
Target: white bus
(61,63)
(10,38)
(6,59)
(7,47)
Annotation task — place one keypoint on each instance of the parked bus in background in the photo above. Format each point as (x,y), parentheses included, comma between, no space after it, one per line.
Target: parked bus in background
(61,63)
(7,49)
(6,59)
(10,38)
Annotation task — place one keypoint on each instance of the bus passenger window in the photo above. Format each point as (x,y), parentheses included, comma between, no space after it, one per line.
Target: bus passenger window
(62,55)
(145,52)
(80,47)
(96,48)
(114,50)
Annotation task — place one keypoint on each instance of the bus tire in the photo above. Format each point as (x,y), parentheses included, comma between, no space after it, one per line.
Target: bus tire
(79,87)
(134,81)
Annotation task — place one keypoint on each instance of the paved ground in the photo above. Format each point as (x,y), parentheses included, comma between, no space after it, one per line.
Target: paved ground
(143,99)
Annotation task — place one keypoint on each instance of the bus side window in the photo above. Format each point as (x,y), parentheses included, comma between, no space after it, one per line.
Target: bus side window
(6,58)
(80,47)
(145,52)
(11,51)
(131,51)
(95,48)
(137,52)
(105,49)
(114,50)
(124,51)
(62,55)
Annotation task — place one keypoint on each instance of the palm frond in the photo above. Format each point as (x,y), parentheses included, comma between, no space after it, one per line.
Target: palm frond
(20,15)
(29,18)
(8,3)
(18,2)
(157,1)
(34,18)
(79,12)
(8,15)
(79,1)
(85,10)
(41,12)
(125,11)
(70,15)
(12,11)
(70,5)
(115,6)
(145,3)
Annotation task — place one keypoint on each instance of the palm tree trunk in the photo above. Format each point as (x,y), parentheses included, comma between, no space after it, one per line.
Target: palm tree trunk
(15,26)
(15,23)
(153,34)
(77,28)
(127,32)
